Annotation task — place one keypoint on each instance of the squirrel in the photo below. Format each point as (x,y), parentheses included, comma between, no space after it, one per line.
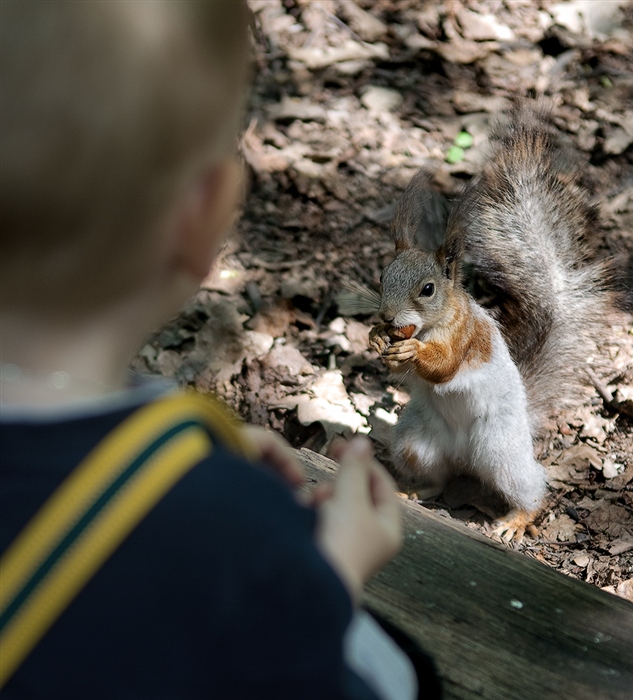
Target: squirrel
(484,380)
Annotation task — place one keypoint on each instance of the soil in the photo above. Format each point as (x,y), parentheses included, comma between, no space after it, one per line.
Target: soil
(349,100)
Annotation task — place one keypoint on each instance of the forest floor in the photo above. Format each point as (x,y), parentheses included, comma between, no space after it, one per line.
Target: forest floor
(349,100)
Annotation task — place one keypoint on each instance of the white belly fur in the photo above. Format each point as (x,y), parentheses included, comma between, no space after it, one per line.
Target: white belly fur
(478,424)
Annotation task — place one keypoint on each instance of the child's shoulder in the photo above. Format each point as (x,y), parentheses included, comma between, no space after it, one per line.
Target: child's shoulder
(226,555)
(42,448)
(225,521)
(224,508)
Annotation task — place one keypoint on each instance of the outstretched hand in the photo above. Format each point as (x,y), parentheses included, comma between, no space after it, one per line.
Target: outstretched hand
(273,451)
(360,525)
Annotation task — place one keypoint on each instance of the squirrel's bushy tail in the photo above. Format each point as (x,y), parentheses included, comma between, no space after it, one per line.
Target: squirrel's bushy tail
(525,223)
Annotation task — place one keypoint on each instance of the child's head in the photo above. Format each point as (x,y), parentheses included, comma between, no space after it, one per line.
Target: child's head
(111,113)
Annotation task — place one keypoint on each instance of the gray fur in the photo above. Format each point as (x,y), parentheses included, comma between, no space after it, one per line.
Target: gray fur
(420,216)
(402,282)
(518,238)
(519,234)
(525,221)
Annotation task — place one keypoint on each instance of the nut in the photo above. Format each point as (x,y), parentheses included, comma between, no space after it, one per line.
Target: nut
(402,333)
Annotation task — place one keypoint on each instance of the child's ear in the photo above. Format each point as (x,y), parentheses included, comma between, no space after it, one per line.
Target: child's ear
(206,214)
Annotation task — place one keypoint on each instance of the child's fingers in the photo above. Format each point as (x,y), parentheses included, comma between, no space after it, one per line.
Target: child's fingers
(356,463)
(318,495)
(385,499)
(322,493)
(274,451)
(359,445)
(360,525)
(382,486)
(362,477)
(337,448)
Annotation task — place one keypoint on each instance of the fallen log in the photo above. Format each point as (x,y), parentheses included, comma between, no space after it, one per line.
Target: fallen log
(501,626)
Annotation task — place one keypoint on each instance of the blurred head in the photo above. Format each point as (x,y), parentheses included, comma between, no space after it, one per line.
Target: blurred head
(111,113)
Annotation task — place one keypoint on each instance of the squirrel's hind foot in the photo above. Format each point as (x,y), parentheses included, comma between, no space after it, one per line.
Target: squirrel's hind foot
(514,525)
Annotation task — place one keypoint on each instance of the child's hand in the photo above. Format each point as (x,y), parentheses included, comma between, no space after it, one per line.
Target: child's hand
(275,452)
(360,524)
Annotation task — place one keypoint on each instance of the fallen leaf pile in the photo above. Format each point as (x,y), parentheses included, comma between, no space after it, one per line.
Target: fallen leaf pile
(349,99)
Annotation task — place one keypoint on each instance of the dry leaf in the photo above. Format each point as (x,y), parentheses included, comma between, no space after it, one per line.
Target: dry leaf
(571,466)
(379,99)
(623,590)
(465,51)
(581,560)
(362,402)
(263,159)
(291,108)
(621,545)
(561,529)
(482,26)
(358,335)
(316,57)
(579,457)
(330,405)
(617,141)
(611,519)
(368,27)
(288,358)
(611,469)
(598,19)
(474,102)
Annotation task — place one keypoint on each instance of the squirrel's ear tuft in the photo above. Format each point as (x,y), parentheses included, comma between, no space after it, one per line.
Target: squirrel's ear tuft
(401,239)
(445,263)
(420,217)
(448,257)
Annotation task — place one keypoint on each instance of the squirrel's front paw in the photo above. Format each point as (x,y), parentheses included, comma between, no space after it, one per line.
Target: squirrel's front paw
(379,338)
(401,352)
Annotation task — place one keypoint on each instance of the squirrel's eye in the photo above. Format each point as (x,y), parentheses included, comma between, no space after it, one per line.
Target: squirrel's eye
(427,290)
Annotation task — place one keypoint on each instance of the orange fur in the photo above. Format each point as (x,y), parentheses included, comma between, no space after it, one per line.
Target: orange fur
(465,341)
(515,523)
(478,350)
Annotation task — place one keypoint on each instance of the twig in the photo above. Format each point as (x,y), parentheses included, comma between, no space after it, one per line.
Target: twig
(607,396)
(339,22)
(277,266)
(600,387)
(323,310)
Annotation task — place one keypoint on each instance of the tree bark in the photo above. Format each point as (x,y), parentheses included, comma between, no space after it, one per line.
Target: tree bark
(501,626)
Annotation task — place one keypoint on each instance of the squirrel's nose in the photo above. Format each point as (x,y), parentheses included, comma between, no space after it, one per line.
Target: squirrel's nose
(386,316)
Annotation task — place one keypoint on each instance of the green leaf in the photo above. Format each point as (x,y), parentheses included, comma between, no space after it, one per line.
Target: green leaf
(455,154)
(464,140)
(605,81)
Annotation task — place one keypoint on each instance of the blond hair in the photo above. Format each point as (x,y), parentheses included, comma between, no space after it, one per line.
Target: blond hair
(107,108)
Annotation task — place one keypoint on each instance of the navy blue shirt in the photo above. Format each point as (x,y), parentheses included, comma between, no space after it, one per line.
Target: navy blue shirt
(220,592)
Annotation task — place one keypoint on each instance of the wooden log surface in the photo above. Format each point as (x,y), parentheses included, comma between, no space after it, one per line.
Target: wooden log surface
(501,626)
